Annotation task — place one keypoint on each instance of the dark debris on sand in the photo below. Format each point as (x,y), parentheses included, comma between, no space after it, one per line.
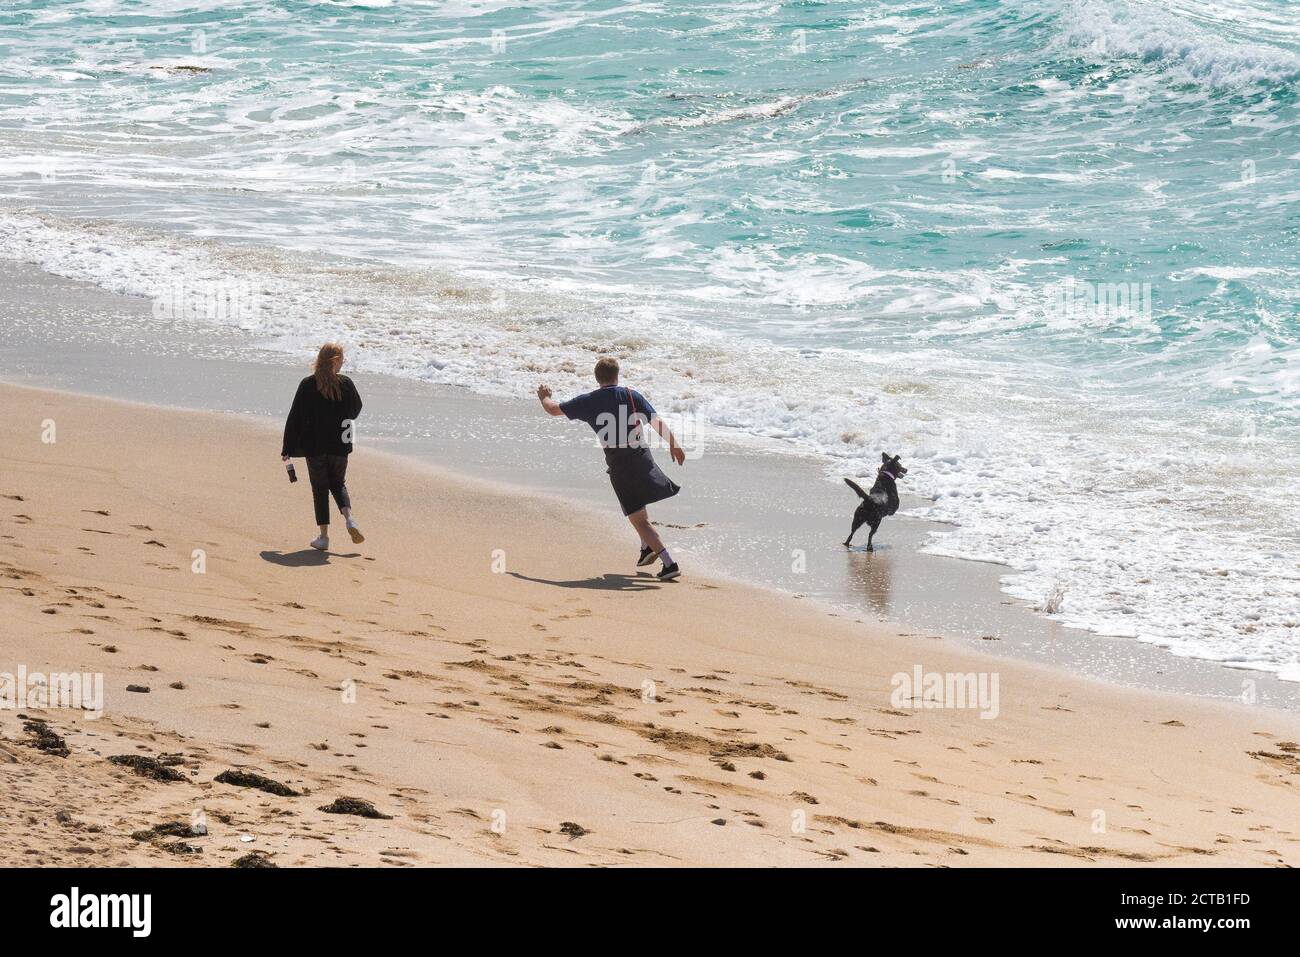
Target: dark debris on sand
(347,805)
(180,847)
(43,738)
(247,779)
(572,829)
(147,767)
(168,829)
(253,859)
(155,835)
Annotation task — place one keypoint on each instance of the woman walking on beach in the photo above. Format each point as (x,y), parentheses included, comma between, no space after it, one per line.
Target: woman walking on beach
(319,428)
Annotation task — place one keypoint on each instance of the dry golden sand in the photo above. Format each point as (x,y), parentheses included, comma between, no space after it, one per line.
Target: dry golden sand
(518,697)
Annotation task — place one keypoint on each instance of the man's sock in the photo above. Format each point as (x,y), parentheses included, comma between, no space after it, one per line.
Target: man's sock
(665,558)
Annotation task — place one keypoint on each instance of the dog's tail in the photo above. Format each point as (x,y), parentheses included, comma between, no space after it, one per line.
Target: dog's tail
(856,487)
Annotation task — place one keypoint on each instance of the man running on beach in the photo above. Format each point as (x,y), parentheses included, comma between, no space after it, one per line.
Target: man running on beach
(617,413)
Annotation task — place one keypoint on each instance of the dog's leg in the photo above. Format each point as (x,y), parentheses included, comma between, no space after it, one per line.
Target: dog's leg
(853,531)
(870,536)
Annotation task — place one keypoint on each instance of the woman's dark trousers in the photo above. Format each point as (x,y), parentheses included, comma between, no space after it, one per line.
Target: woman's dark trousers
(327,473)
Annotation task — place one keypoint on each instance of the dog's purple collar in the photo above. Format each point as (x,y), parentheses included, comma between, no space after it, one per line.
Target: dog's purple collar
(890,474)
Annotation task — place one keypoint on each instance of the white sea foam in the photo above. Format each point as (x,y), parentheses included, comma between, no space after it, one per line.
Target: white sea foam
(766,110)
(1172,34)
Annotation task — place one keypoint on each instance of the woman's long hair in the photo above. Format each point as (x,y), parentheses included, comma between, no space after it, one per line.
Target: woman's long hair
(327,380)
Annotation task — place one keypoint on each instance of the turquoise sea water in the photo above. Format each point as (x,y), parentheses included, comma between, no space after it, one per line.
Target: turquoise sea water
(1048,251)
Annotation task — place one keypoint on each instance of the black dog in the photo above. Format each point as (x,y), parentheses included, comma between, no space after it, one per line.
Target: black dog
(882,500)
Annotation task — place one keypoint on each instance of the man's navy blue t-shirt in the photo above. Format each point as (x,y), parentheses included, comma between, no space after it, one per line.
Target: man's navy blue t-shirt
(608,411)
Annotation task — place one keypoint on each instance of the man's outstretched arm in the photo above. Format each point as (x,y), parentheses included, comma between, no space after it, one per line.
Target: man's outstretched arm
(549,404)
(674,450)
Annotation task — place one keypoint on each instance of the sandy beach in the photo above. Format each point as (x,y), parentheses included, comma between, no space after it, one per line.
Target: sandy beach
(491,674)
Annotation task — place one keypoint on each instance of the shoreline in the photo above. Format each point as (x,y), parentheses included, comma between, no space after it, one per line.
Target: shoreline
(728,527)
(596,716)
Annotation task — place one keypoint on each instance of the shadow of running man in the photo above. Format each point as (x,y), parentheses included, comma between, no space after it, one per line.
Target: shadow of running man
(305,558)
(612,581)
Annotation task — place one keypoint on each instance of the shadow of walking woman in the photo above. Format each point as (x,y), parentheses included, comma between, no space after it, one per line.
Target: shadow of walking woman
(304,558)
